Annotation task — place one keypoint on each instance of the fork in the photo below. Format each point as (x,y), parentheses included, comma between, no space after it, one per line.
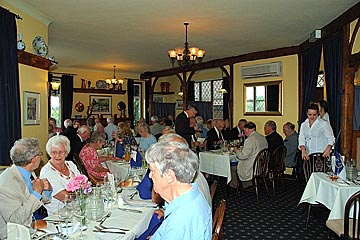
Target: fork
(101,220)
(101,227)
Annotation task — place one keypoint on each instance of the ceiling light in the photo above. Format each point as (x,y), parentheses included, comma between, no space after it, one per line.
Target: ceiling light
(186,56)
(116,83)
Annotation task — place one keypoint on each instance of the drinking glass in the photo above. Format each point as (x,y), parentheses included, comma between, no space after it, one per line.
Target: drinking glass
(65,212)
(80,211)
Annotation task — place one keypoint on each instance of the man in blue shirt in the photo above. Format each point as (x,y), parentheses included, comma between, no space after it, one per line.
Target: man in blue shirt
(20,196)
(187,214)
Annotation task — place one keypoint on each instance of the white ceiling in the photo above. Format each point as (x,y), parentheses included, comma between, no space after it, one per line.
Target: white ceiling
(135,35)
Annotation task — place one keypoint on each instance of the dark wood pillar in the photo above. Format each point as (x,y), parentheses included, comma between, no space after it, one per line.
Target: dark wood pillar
(347,98)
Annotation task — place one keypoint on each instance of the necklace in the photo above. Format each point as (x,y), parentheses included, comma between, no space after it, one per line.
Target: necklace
(62,171)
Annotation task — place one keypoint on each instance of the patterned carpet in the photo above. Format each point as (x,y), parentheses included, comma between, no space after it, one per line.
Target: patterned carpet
(274,217)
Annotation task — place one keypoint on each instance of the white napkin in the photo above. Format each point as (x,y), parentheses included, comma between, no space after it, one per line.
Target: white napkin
(17,231)
(133,155)
(111,181)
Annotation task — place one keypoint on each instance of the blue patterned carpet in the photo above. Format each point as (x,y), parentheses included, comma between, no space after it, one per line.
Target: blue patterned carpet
(274,217)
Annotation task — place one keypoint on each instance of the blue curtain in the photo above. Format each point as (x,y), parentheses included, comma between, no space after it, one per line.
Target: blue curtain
(67,85)
(162,110)
(333,61)
(356,120)
(204,109)
(225,85)
(10,123)
(311,63)
(130,92)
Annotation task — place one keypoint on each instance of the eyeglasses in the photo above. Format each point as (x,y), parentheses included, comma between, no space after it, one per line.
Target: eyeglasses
(57,153)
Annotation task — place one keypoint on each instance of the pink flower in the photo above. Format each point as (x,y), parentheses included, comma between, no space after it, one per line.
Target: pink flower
(79,182)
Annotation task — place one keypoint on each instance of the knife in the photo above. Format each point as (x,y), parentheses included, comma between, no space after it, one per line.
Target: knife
(106,231)
(130,210)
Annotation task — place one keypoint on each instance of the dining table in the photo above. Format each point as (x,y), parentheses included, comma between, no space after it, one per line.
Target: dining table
(217,162)
(134,217)
(333,194)
(120,167)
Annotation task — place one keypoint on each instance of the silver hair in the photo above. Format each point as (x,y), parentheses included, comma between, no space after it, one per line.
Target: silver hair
(173,137)
(24,150)
(58,141)
(174,156)
(154,119)
(110,120)
(83,129)
(67,123)
(97,136)
(271,124)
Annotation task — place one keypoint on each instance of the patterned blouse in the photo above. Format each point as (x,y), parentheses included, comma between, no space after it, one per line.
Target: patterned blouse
(91,160)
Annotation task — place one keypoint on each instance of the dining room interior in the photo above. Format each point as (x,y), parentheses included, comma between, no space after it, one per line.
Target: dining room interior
(243,60)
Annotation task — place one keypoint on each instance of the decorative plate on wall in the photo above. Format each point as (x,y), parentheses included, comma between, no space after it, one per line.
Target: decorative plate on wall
(40,47)
(101,84)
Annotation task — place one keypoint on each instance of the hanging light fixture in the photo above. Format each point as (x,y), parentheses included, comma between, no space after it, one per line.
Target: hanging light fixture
(186,56)
(116,83)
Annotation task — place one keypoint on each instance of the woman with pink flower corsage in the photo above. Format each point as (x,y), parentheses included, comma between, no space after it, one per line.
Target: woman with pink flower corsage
(58,171)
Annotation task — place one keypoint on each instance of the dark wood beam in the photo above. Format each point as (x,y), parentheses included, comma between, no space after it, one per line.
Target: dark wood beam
(334,26)
(217,63)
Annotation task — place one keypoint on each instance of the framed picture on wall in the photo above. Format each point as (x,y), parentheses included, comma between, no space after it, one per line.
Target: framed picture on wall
(100,104)
(157,99)
(179,104)
(31,108)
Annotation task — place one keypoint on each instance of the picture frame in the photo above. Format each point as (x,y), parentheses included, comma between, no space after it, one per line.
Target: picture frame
(179,105)
(100,104)
(158,99)
(31,108)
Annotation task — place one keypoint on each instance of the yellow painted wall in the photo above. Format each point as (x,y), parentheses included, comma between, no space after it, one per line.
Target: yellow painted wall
(356,47)
(32,79)
(289,92)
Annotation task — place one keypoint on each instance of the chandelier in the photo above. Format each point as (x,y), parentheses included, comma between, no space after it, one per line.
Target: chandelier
(186,56)
(116,83)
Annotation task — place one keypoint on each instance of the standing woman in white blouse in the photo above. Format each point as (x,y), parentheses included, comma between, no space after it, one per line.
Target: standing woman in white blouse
(315,135)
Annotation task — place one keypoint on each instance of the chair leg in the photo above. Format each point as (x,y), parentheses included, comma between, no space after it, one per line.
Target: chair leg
(256,190)
(281,178)
(308,216)
(273,182)
(267,190)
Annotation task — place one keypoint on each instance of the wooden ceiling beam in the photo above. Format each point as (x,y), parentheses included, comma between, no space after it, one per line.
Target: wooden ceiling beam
(225,61)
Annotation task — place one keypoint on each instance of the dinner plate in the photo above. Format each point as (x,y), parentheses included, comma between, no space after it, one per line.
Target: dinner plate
(139,203)
(40,46)
(53,236)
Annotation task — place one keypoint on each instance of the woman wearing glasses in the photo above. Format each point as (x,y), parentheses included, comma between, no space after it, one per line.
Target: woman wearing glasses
(58,171)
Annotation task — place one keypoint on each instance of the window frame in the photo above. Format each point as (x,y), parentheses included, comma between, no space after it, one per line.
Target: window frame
(263,113)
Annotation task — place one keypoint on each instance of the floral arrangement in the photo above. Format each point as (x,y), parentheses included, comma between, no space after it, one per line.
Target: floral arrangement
(79,182)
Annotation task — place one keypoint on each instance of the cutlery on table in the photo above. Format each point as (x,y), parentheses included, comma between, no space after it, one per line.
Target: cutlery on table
(130,210)
(108,231)
(102,220)
(131,196)
(101,227)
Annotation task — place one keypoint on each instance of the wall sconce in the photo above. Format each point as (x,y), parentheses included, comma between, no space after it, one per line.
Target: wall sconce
(181,92)
(55,88)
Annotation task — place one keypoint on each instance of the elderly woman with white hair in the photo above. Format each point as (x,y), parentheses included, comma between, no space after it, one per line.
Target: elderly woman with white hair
(147,139)
(58,171)
(172,168)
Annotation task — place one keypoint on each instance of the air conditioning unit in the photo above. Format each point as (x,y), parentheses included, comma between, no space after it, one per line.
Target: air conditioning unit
(262,70)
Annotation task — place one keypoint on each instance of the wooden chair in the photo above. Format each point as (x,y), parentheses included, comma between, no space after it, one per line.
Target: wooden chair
(213,189)
(80,166)
(297,168)
(316,163)
(349,227)
(278,157)
(218,219)
(260,170)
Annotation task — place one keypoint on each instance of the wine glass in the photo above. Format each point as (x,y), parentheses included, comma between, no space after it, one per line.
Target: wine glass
(65,212)
(215,143)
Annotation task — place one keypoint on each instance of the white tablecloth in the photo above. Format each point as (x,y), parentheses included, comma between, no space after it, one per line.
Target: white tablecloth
(332,194)
(136,223)
(216,163)
(119,167)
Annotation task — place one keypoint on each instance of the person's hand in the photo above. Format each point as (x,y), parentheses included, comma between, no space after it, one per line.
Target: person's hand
(304,155)
(37,186)
(326,153)
(196,127)
(46,184)
(115,158)
(197,144)
(159,212)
